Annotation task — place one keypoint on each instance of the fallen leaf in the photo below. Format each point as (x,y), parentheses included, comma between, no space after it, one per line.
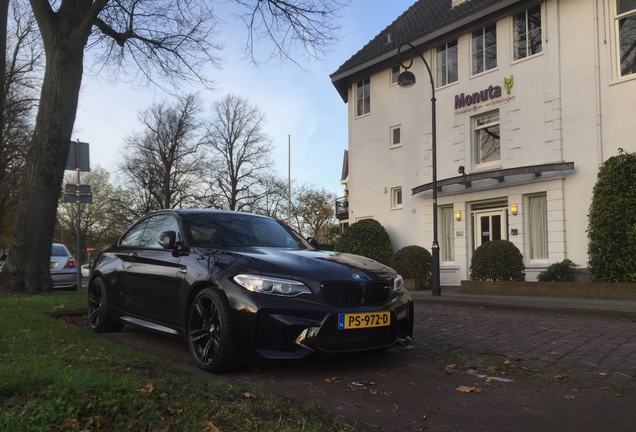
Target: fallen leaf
(468,389)
(333,380)
(603,374)
(569,397)
(148,388)
(507,362)
(373,392)
(559,377)
(211,427)
(71,423)
(248,395)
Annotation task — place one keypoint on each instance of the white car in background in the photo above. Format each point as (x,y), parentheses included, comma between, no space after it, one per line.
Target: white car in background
(62,267)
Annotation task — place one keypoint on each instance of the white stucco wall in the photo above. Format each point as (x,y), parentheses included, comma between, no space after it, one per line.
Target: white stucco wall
(568,106)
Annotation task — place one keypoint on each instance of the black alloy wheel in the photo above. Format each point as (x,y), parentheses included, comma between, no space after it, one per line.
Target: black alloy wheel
(209,332)
(98,317)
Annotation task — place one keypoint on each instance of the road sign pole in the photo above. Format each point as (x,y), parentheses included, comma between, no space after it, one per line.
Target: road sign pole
(78,256)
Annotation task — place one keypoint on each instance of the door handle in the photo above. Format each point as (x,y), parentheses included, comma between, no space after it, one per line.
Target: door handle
(126,265)
(184,271)
(132,255)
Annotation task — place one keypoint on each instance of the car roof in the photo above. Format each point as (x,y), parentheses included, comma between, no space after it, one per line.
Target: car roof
(204,211)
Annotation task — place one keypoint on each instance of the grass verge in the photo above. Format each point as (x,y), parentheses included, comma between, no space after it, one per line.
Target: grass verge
(55,376)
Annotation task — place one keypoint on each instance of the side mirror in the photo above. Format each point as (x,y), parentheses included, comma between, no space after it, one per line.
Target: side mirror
(313,243)
(167,239)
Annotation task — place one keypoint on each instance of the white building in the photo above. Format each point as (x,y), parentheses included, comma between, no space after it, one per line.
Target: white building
(532,96)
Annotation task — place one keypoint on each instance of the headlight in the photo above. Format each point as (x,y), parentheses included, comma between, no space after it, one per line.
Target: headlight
(398,285)
(271,285)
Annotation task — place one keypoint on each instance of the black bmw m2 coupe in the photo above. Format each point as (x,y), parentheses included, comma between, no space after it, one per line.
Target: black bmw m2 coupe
(234,283)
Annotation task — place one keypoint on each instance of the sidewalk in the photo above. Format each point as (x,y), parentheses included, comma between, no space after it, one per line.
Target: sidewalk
(452,296)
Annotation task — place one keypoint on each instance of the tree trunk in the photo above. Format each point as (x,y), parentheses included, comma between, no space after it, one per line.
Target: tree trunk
(4,15)
(27,267)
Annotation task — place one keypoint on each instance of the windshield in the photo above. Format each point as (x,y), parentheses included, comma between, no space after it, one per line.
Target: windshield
(58,251)
(228,230)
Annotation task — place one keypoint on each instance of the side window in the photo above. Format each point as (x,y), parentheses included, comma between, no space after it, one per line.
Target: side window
(132,237)
(157,225)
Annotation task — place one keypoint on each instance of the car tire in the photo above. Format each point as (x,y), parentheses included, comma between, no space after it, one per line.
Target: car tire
(209,332)
(99,318)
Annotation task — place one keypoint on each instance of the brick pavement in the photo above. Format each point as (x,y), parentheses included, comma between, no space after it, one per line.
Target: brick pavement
(586,348)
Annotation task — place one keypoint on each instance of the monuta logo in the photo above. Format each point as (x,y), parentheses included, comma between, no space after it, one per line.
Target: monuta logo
(492,92)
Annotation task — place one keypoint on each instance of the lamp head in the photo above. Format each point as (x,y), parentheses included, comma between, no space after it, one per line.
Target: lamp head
(406,79)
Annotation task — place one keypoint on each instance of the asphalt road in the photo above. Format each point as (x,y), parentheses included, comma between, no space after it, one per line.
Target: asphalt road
(526,371)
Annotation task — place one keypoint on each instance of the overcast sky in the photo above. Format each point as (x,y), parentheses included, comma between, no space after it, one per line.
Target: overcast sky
(299,102)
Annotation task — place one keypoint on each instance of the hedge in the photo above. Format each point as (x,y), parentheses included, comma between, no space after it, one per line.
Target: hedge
(563,271)
(497,260)
(367,238)
(612,221)
(413,262)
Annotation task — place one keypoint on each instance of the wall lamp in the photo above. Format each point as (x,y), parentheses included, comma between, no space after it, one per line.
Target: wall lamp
(514,209)
(458,215)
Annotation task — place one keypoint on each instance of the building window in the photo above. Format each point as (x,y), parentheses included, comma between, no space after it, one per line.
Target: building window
(363,97)
(537,222)
(396,136)
(527,33)
(395,72)
(396,197)
(447,231)
(626,29)
(484,49)
(447,64)
(487,140)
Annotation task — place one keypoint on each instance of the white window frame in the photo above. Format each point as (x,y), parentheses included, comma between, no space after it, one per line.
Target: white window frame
(394,192)
(450,235)
(483,56)
(617,36)
(437,71)
(541,28)
(526,221)
(392,145)
(474,128)
(357,99)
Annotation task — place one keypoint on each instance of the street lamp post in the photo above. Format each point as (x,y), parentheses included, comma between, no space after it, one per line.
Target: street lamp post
(407,79)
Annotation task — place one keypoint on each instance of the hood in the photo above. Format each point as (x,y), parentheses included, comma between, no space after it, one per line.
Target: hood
(319,266)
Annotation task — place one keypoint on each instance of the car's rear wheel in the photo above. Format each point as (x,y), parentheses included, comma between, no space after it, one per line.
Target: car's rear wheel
(210,332)
(98,316)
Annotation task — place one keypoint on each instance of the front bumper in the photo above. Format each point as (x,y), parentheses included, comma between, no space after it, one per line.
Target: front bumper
(295,328)
(64,280)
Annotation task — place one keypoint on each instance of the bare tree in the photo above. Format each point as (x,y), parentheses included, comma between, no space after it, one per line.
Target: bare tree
(314,211)
(163,166)
(164,39)
(273,197)
(22,67)
(240,152)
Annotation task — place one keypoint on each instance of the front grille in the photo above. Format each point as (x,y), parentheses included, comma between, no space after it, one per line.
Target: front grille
(342,294)
(351,340)
(353,294)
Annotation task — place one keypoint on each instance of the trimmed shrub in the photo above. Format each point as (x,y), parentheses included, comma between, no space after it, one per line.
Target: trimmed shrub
(413,262)
(612,221)
(367,238)
(563,271)
(498,260)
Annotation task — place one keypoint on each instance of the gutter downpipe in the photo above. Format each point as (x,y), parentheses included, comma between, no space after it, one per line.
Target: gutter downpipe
(597,82)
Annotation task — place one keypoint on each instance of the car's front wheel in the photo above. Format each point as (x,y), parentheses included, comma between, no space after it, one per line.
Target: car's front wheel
(98,317)
(210,332)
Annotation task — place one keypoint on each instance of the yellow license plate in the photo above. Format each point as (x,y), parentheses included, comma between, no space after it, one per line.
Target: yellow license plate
(349,321)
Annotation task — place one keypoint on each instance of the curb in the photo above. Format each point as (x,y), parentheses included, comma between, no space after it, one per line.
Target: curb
(528,307)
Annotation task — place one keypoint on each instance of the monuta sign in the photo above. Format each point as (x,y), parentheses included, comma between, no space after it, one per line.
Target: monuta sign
(484,98)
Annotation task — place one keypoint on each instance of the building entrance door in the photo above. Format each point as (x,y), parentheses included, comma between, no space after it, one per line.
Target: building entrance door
(489,225)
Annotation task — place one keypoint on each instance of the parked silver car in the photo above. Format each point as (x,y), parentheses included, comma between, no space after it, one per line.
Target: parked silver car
(62,267)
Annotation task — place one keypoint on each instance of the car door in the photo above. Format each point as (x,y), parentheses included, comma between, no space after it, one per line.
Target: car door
(119,279)
(156,276)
